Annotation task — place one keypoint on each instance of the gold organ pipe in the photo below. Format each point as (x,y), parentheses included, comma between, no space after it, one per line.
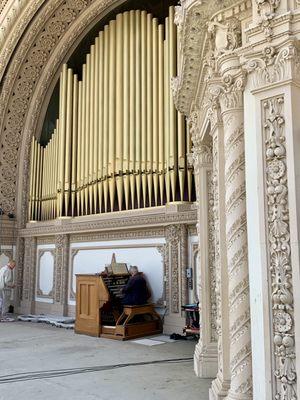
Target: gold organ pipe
(45,156)
(83,140)
(128,100)
(131,167)
(38,181)
(48,154)
(96,125)
(43,194)
(79,150)
(172,110)
(138,110)
(144,102)
(91,126)
(47,166)
(112,112)
(62,131)
(167,119)
(87,176)
(68,153)
(31,179)
(74,143)
(56,170)
(106,75)
(161,110)
(49,178)
(119,108)
(87,134)
(155,97)
(149,108)
(100,68)
(35,180)
(52,173)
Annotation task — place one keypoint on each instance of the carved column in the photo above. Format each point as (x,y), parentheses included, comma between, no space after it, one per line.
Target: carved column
(61,274)
(272,144)
(205,356)
(176,281)
(231,102)
(221,384)
(29,274)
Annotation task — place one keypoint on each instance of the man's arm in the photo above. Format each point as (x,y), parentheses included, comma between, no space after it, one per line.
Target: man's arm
(8,279)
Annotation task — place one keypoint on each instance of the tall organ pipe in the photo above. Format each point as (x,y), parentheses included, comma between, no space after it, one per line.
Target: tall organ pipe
(96,125)
(112,113)
(118,170)
(100,113)
(155,120)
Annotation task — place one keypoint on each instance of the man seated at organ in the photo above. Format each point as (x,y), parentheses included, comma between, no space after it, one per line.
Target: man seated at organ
(136,291)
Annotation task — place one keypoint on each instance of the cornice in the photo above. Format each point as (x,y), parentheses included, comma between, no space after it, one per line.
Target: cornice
(125,220)
(192,18)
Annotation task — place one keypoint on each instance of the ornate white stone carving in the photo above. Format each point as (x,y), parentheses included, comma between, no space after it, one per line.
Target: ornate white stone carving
(173,241)
(274,66)
(61,269)
(279,249)
(211,258)
(29,270)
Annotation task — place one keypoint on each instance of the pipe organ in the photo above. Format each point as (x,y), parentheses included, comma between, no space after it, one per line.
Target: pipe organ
(119,142)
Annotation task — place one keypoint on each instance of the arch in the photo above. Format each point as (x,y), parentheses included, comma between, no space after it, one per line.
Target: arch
(59,26)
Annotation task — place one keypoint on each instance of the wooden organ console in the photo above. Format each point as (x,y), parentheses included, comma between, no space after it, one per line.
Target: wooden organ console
(99,309)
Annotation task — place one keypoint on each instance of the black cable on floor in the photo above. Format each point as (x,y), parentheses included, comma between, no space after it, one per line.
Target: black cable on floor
(26,376)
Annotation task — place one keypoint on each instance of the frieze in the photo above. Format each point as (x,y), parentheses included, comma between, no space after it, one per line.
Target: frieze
(140,221)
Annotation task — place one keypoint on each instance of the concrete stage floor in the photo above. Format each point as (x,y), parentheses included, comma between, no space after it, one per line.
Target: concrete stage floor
(40,362)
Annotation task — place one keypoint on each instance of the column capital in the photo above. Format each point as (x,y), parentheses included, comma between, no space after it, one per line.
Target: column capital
(228,91)
(201,156)
(273,65)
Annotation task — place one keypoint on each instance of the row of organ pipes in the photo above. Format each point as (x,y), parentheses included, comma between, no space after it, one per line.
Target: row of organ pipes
(119,142)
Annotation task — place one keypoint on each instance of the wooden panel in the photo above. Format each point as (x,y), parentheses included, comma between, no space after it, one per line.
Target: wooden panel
(87,305)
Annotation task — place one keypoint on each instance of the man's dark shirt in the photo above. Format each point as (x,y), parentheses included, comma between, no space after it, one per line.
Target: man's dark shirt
(136,291)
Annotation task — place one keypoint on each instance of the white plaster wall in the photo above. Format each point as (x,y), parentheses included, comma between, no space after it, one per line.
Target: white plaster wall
(45,272)
(92,257)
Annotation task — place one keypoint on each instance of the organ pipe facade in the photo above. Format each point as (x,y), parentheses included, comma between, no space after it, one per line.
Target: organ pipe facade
(119,142)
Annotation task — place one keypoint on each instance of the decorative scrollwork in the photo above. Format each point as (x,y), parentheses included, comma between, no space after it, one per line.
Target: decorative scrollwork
(279,249)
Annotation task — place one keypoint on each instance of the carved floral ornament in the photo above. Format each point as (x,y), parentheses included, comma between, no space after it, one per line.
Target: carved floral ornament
(279,249)
(274,65)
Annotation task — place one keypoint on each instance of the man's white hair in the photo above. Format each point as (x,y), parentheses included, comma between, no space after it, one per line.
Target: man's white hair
(133,268)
